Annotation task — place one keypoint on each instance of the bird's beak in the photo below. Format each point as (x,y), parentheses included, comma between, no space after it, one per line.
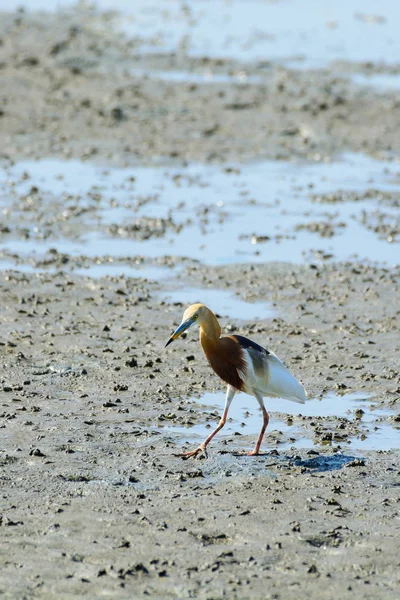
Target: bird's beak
(182,327)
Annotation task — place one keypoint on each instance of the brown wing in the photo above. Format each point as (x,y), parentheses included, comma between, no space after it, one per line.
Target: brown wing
(226,359)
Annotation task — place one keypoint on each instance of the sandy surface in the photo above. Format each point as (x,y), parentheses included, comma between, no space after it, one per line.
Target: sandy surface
(94,501)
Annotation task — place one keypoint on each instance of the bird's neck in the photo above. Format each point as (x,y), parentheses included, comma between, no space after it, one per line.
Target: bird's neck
(210,332)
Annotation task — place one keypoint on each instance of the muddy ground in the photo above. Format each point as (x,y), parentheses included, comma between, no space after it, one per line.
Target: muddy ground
(94,501)
(69,89)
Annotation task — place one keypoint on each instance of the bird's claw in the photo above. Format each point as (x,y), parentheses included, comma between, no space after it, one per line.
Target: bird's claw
(201,450)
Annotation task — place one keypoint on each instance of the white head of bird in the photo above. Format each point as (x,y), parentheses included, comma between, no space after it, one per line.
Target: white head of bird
(243,364)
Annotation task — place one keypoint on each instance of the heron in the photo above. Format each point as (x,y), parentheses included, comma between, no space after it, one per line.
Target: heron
(244,365)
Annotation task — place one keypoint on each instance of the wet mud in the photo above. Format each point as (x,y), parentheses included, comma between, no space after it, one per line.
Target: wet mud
(137,178)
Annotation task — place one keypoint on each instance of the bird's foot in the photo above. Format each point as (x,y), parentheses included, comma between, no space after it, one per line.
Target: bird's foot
(200,451)
(251,453)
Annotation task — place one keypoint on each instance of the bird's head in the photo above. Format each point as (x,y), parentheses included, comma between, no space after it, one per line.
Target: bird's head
(193,314)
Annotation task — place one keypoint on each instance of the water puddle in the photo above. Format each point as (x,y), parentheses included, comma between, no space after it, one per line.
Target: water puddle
(97,271)
(214,214)
(381,437)
(382,82)
(309,33)
(150,272)
(223,302)
(332,405)
(313,32)
(286,429)
(182,76)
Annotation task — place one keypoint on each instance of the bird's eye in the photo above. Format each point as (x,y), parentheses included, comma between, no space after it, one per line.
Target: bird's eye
(195,317)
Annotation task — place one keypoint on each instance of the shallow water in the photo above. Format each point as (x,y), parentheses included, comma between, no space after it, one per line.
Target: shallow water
(309,33)
(218,215)
(376,433)
(224,303)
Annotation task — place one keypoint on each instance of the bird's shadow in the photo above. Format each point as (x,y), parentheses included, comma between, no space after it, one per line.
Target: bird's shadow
(319,464)
(316,464)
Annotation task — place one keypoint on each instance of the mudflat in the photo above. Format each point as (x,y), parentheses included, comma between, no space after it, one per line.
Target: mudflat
(95,501)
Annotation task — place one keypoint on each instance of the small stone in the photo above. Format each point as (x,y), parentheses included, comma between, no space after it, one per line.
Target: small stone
(37,452)
(357,462)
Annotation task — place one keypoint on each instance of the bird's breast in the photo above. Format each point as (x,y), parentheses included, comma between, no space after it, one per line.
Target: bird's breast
(227,360)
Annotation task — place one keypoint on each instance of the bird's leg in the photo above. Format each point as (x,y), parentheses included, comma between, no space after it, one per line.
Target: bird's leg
(263,428)
(230,393)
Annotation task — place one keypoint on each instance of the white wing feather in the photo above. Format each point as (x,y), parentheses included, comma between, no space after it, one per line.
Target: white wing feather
(276,381)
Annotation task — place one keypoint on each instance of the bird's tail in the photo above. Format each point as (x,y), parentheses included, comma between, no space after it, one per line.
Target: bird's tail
(281,383)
